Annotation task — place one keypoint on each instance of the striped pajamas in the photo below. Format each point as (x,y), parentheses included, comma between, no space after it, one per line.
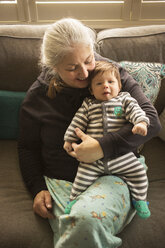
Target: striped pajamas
(96,119)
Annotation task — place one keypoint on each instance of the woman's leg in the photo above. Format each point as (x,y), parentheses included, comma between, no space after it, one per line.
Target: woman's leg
(99,214)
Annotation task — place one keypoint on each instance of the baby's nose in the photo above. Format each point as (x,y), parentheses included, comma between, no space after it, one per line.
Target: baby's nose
(105,84)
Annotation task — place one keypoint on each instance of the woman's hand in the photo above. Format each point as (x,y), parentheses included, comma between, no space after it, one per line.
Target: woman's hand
(88,151)
(67,146)
(42,204)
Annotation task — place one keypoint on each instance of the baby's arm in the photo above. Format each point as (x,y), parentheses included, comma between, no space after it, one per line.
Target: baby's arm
(67,146)
(136,116)
(140,128)
(79,120)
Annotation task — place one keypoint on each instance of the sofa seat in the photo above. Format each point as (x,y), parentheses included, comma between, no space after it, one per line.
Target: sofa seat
(19,226)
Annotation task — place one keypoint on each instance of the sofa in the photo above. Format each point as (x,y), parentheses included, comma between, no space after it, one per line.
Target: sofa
(141,50)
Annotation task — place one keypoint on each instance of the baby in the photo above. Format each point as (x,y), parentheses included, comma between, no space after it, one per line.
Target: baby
(107,110)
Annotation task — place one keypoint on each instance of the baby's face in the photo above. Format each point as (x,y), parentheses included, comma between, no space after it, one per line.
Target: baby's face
(105,86)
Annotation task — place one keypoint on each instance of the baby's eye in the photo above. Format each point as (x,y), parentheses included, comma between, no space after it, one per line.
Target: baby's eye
(98,83)
(110,82)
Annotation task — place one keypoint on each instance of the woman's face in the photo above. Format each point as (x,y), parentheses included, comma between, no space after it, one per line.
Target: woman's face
(75,66)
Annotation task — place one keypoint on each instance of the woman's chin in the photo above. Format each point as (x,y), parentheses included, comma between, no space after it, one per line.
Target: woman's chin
(82,84)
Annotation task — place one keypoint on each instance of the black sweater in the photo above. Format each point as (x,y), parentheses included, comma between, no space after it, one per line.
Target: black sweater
(43,122)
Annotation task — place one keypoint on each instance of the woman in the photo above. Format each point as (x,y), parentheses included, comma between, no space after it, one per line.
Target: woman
(104,208)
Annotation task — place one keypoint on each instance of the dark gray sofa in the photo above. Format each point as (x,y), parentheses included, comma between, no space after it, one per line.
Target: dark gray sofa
(19,57)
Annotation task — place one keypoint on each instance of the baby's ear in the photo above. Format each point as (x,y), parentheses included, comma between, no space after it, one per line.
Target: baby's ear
(90,90)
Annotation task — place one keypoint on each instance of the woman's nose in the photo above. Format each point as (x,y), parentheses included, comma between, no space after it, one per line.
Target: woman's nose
(83,72)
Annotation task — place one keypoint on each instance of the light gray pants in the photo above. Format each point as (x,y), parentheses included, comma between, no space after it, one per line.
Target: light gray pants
(126,167)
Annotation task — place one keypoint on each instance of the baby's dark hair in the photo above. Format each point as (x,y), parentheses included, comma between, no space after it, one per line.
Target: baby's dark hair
(104,66)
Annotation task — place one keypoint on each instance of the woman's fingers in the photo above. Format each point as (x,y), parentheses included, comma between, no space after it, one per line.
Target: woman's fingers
(42,204)
(80,134)
(88,151)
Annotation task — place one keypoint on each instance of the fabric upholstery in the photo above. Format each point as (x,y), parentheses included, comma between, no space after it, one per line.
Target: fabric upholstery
(162,121)
(133,43)
(20,48)
(148,75)
(19,226)
(10,102)
(160,101)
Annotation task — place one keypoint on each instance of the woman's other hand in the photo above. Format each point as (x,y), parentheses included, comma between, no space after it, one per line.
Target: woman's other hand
(42,204)
(88,151)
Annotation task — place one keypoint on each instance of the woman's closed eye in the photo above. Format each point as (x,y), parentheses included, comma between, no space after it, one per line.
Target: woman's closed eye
(88,62)
(71,68)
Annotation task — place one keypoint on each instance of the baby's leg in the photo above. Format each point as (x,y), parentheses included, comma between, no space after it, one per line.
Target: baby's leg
(132,171)
(86,175)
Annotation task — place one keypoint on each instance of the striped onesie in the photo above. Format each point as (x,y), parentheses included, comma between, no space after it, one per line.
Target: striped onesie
(97,118)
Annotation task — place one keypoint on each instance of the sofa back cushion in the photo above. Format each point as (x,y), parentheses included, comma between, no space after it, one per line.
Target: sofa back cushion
(19,55)
(145,43)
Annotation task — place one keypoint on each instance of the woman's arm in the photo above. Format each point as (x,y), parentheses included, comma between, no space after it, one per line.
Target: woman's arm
(29,150)
(29,147)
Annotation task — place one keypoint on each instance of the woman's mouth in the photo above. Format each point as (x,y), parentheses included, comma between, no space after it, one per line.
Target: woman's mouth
(82,79)
(82,82)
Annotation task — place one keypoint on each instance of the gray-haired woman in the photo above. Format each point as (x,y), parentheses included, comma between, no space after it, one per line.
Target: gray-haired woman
(104,208)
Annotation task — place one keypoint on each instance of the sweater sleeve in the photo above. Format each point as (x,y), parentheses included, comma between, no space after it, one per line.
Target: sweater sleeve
(79,120)
(29,146)
(117,143)
(133,112)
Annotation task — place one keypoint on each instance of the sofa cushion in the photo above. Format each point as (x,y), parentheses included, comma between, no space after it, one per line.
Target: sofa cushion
(149,76)
(162,121)
(148,233)
(145,43)
(160,101)
(20,47)
(9,111)
(153,151)
(19,226)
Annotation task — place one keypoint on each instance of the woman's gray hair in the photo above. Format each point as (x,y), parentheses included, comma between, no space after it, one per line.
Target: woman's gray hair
(60,37)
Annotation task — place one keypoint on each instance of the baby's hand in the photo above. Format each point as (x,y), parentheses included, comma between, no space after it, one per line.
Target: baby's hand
(140,128)
(67,146)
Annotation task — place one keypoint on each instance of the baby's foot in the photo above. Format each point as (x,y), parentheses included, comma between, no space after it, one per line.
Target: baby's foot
(142,209)
(69,206)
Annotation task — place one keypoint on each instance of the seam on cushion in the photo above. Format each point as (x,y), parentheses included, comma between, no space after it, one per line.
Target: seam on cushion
(23,31)
(21,37)
(130,36)
(157,180)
